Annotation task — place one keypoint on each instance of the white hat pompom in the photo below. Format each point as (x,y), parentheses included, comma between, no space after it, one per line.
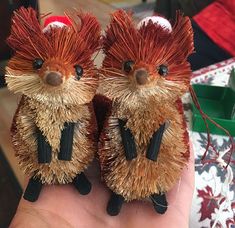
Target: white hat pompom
(164,23)
(55,21)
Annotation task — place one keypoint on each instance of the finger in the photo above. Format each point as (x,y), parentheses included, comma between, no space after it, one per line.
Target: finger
(180,197)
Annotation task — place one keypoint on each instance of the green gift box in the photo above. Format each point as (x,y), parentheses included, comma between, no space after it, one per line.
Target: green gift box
(218,103)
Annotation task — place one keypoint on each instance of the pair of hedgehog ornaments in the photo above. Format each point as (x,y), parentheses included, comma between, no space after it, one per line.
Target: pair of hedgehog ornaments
(128,112)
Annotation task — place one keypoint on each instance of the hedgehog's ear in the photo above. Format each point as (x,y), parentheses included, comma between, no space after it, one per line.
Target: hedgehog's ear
(182,34)
(25,24)
(89,29)
(121,28)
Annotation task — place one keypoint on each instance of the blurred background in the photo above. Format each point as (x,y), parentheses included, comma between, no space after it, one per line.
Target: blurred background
(214,42)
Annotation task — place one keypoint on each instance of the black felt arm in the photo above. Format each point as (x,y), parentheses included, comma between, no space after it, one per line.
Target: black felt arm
(155,143)
(128,141)
(66,142)
(44,149)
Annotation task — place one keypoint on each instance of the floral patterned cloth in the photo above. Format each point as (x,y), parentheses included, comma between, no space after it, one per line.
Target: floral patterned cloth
(214,195)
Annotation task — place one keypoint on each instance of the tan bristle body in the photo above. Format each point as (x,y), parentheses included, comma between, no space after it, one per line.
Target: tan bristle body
(32,115)
(141,177)
(144,107)
(47,105)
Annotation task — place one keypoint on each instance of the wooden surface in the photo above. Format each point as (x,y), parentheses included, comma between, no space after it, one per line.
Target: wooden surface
(8,101)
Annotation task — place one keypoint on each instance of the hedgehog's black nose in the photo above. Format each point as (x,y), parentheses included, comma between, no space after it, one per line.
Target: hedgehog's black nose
(53,79)
(141,76)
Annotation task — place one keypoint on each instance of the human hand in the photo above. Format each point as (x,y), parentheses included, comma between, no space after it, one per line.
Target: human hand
(62,206)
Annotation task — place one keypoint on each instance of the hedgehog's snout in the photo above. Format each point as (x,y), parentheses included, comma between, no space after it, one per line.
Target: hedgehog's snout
(53,78)
(141,76)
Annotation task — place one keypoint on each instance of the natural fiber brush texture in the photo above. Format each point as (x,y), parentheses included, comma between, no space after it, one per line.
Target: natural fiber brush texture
(48,107)
(144,107)
(35,115)
(60,49)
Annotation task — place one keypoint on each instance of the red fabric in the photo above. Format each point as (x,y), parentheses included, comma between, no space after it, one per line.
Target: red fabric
(62,19)
(218,21)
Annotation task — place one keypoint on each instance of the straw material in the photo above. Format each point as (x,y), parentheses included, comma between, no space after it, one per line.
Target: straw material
(144,107)
(49,107)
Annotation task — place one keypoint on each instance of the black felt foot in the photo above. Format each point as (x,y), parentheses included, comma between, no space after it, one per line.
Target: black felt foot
(33,190)
(115,204)
(159,203)
(82,184)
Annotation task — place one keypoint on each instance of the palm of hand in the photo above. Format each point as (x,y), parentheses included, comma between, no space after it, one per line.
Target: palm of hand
(63,206)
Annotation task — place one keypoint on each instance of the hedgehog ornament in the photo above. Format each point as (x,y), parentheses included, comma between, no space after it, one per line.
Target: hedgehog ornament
(144,143)
(54,129)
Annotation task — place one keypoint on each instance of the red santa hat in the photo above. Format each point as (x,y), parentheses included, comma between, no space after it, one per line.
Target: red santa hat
(163,22)
(56,21)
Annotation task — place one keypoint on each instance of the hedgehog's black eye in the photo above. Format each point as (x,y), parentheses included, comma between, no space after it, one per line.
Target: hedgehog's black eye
(128,66)
(162,70)
(37,63)
(79,71)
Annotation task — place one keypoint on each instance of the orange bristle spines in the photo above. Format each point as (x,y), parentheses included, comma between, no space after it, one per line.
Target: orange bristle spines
(150,44)
(27,38)
(62,50)
(69,45)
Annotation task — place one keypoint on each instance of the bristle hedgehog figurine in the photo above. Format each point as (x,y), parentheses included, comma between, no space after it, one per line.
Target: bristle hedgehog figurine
(144,144)
(54,129)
